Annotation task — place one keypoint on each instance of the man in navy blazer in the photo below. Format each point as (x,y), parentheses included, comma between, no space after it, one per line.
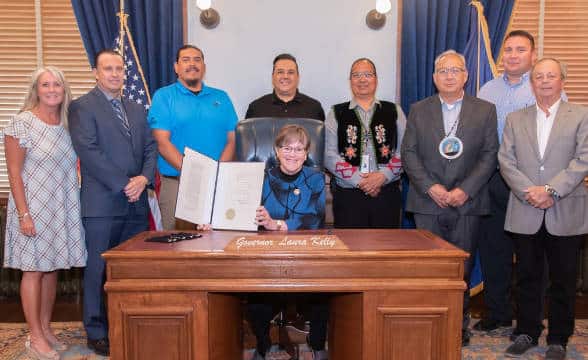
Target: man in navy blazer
(117,160)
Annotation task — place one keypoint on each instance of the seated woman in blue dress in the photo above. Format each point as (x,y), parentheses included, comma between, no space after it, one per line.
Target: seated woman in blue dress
(293,198)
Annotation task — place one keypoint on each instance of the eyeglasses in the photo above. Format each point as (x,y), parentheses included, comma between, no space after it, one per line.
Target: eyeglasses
(358,75)
(285,72)
(446,71)
(548,76)
(295,150)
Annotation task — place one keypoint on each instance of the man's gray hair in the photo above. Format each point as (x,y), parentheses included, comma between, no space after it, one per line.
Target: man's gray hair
(563,68)
(447,53)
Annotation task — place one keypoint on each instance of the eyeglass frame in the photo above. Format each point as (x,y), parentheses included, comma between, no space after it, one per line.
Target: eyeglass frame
(366,74)
(289,150)
(452,70)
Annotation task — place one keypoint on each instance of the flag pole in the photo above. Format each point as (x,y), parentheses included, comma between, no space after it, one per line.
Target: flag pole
(124,30)
(139,67)
(122,20)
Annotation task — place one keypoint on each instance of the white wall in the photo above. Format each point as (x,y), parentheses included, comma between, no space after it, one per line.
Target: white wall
(324,35)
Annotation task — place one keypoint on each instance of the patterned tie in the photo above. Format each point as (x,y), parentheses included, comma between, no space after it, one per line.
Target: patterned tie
(116,105)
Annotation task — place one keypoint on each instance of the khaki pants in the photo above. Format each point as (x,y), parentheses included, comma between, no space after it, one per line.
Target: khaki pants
(167,202)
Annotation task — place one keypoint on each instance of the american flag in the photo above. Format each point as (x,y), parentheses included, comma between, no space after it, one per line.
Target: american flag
(134,89)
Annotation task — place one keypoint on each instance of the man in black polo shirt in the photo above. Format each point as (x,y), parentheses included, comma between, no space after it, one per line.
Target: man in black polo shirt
(285,100)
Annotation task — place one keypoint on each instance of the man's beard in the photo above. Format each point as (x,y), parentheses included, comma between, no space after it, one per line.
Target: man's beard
(192,83)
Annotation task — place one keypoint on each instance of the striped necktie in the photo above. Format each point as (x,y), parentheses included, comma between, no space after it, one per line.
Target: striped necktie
(117,106)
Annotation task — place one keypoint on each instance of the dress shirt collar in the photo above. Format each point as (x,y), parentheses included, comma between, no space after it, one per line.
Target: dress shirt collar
(108,96)
(448,106)
(353,104)
(552,109)
(524,79)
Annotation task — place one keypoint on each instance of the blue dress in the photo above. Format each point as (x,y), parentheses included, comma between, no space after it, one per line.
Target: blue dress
(297,199)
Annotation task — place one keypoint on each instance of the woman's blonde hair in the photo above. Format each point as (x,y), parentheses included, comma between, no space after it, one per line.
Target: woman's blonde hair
(32,98)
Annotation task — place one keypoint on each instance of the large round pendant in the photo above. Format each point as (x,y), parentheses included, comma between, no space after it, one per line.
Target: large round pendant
(451,147)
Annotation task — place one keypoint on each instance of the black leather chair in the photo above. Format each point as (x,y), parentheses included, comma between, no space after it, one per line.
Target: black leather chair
(255,139)
(255,142)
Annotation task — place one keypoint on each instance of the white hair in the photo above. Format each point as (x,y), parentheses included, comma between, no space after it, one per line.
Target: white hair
(448,53)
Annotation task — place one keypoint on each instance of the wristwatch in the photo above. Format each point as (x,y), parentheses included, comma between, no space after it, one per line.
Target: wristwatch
(551,191)
(279,225)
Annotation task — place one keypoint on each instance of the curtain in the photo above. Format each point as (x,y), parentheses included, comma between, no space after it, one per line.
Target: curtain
(156,27)
(430,27)
(498,17)
(478,52)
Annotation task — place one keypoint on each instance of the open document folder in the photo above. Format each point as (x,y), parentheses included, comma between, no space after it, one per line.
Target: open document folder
(223,194)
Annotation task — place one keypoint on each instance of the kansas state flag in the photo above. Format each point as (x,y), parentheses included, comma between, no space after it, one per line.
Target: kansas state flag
(478,52)
(481,68)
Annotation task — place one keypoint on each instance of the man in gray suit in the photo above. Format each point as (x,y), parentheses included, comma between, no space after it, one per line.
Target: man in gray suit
(449,152)
(117,161)
(544,159)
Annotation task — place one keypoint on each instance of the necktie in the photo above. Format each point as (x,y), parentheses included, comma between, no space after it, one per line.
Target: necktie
(117,106)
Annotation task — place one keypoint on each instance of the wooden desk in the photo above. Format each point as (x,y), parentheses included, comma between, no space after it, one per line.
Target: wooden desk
(397,294)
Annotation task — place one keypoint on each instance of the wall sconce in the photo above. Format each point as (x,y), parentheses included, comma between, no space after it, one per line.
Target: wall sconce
(376,18)
(209,18)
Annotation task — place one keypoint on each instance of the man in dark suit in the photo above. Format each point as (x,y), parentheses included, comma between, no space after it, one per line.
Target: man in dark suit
(449,152)
(544,159)
(117,159)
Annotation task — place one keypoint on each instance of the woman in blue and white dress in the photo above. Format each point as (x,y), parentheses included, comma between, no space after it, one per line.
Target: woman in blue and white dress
(44,230)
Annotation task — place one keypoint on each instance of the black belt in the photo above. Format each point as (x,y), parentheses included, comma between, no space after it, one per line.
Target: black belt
(170,177)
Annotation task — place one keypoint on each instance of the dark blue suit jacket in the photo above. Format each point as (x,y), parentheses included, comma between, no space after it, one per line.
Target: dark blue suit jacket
(108,157)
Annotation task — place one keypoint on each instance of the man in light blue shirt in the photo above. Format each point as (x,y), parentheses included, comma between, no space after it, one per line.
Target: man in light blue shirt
(190,114)
(509,92)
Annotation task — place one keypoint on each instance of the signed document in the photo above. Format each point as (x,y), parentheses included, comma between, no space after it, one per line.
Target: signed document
(223,194)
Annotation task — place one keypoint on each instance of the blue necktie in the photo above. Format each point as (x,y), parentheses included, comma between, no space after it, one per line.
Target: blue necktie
(116,105)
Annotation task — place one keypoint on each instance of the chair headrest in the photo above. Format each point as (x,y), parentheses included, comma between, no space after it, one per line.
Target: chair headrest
(255,139)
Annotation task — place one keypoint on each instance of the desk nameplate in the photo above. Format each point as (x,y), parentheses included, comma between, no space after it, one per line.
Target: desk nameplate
(275,242)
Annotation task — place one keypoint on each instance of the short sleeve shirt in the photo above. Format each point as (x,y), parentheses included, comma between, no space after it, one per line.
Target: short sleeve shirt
(200,122)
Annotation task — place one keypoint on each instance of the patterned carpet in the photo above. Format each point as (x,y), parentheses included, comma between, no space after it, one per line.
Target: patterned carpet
(483,347)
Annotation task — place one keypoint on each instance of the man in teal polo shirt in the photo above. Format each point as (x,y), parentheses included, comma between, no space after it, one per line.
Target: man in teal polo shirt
(189,113)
